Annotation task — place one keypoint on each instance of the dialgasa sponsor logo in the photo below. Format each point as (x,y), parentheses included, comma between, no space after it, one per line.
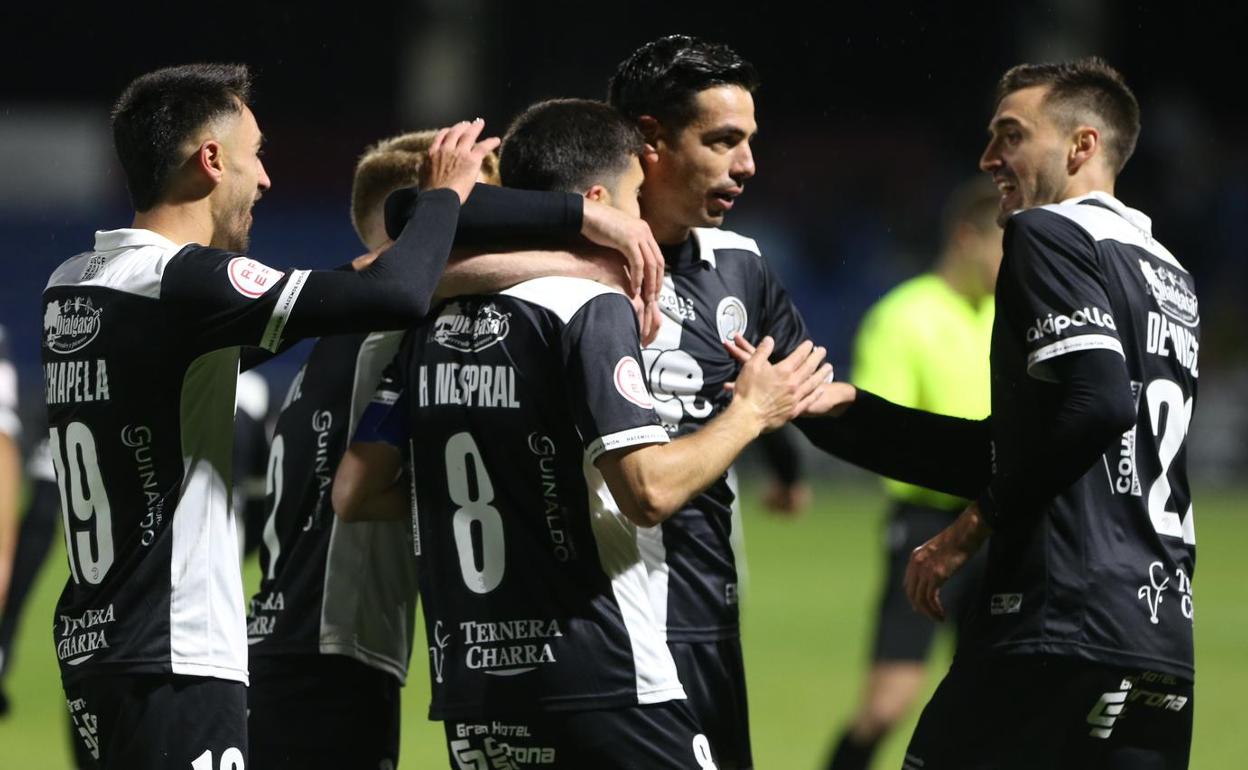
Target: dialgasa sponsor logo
(1174,297)
(470,329)
(70,325)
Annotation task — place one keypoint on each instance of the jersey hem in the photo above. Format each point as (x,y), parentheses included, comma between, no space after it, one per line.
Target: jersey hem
(1096,654)
(562,703)
(702,634)
(167,668)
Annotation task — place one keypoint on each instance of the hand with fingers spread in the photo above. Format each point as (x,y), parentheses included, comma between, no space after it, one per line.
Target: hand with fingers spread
(779,392)
(934,562)
(608,226)
(455,156)
(830,398)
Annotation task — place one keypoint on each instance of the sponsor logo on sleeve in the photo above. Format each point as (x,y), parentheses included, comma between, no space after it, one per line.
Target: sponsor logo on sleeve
(631,383)
(1057,325)
(470,329)
(251,278)
(1174,296)
(730,318)
(70,325)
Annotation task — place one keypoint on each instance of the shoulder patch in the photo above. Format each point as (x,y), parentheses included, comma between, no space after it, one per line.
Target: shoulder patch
(251,278)
(631,383)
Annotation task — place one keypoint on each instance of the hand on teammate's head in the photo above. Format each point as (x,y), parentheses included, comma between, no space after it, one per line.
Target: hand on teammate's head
(455,158)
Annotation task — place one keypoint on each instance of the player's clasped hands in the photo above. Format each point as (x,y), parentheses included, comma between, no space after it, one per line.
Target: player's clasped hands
(455,158)
(781,391)
(827,398)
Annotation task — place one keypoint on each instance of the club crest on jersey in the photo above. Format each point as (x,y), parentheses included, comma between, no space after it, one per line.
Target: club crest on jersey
(730,318)
(631,383)
(251,278)
(1174,297)
(70,325)
(470,329)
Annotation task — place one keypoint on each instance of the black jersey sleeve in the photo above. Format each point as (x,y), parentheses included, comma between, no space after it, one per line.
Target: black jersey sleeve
(499,215)
(1054,291)
(948,454)
(781,319)
(607,388)
(222,299)
(10,425)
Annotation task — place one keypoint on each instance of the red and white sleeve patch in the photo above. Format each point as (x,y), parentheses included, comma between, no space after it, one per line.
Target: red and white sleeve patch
(631,383)
(251,278)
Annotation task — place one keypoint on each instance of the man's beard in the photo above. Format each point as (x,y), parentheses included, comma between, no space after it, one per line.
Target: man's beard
(234,233)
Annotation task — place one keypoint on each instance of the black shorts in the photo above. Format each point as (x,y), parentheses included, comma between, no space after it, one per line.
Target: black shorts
(713,675)
(159,721)
(1046,712)
(663,736)
(901,633)
(322,711)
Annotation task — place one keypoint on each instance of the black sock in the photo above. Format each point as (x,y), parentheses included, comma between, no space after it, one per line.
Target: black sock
(850,755)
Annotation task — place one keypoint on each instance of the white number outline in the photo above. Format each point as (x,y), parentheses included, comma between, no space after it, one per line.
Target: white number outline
(83,494)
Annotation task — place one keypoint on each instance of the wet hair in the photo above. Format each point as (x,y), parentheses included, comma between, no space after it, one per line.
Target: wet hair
(664,77)
(568,145)
(1084,91)
(161,111)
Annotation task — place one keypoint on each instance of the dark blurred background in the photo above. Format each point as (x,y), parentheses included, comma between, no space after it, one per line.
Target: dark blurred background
(868,116)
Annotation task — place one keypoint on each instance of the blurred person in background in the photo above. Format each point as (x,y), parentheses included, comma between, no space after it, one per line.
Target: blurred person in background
(924,345)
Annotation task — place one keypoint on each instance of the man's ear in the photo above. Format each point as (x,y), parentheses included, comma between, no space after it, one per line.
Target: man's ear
(1085,145)
(598,193)
(209,160)
(653,134)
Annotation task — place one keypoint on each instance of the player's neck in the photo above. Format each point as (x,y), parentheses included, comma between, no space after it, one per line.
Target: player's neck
(179,222)
(669,233)
(1087,181)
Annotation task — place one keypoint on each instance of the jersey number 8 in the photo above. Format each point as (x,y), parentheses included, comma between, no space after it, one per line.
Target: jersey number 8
(470,489)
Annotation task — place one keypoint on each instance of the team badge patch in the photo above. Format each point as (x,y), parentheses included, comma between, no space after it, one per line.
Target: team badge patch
(631,383)
(730,318)
(70,325)
(251,278)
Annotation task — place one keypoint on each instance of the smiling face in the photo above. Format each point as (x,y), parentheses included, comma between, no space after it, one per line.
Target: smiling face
(694,175)
(243,181)
(1027,153)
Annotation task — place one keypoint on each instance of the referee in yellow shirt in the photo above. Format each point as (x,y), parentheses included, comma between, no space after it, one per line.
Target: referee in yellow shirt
(924,345)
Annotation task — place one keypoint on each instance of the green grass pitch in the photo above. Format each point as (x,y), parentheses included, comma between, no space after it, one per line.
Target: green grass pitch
(810,597)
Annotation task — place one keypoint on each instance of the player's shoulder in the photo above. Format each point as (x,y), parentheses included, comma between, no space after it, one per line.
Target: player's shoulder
(563,296)
(715,243)
(130,260)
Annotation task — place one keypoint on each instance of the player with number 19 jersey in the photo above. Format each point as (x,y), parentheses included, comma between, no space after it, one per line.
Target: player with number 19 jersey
(534,591)
(1108,579)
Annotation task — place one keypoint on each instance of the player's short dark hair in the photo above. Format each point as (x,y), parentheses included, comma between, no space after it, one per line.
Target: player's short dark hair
(663,78)
(159,112)
(1082,89)
(568,145)
(975,202)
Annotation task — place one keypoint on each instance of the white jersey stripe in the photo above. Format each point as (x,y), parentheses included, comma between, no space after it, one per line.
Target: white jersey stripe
(272,338)
(618,542)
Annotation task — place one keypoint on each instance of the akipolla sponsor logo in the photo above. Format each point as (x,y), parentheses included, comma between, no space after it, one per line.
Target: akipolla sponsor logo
(1055,325)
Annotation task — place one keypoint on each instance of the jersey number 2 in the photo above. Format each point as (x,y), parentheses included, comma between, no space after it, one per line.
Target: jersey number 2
(1170,434)
(83,495)
(471,490)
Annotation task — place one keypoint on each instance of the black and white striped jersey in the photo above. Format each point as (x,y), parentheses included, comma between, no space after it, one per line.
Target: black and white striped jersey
(1106,571)
(329,586)
(534,590)
(10,422)
(716,285)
